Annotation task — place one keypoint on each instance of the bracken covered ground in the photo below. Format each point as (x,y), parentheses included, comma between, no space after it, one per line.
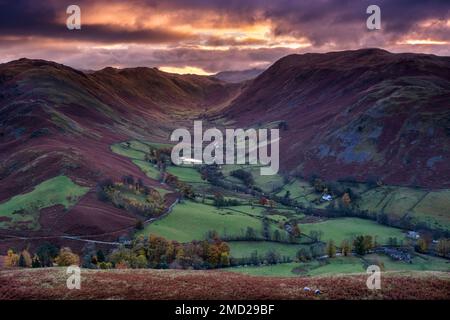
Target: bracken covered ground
(176,284)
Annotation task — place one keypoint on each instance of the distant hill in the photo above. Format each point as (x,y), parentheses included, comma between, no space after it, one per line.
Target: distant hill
(364,114)
(238,76)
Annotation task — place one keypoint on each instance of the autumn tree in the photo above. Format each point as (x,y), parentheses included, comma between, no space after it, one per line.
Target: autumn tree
(296,230)
(422,245)
(346,248)
(272,257)
(224,259)
(304,254)
(263,201)
(363,244)
(331,249)
(346,200)
(67,258)
(276,235)
(443,247)
(368,243)
(219,200)
(11,259)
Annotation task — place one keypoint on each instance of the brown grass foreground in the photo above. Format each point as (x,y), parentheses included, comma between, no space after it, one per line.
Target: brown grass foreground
(50,283)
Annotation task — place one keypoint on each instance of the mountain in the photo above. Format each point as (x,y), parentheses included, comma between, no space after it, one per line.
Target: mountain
(53,109)
(238,76)
(359,115)
(55,120)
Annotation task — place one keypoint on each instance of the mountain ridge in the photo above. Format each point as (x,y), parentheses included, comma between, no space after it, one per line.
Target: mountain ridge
(339,102)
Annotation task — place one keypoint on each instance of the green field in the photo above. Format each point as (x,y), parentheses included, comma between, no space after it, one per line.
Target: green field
(429,206)
(148,168)
(336,266)
(23,209)
(340,265)
(136,152)
(297,189)
(419,263)
(435,209)
(348,228)
(191,221)
(162,191)
(256,211)
(186,174)
(421,205)
(313,268)
(266,183)
(121,149)
(241,249)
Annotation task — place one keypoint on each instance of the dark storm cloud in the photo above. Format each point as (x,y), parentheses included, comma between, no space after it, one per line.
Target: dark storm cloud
(341,21)
(37,18)
(37,29)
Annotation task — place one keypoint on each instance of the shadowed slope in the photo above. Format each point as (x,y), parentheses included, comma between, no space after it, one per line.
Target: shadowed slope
(365,114)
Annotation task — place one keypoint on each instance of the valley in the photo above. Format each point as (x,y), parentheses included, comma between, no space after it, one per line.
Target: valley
(85,163)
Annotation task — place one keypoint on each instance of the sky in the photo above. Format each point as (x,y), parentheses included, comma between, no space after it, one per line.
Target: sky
(208,36)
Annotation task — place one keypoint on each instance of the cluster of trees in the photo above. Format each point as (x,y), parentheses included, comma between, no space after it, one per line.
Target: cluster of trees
(245,176)
(269,258)
(251,234)
(47,255)
(214,175)
(184,188)
(220,201)
(331,249)
(94,259)
(308,253)
(119,194)
(267,202)
(157,252)
(159,156)
(363,244)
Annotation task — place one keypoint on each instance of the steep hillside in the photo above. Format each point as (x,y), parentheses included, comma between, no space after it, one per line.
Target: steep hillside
(364,114)
(55,120)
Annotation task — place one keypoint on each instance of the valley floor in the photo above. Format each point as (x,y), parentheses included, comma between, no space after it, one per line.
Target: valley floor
(50,283)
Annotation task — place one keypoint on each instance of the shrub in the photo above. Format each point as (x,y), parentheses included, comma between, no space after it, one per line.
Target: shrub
(67,258)
(304,254)
(11,259)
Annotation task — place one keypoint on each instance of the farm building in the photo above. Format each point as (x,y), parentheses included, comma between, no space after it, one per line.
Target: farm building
(413,235)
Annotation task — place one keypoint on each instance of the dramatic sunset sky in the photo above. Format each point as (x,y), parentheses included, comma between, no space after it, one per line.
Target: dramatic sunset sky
(207,36)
